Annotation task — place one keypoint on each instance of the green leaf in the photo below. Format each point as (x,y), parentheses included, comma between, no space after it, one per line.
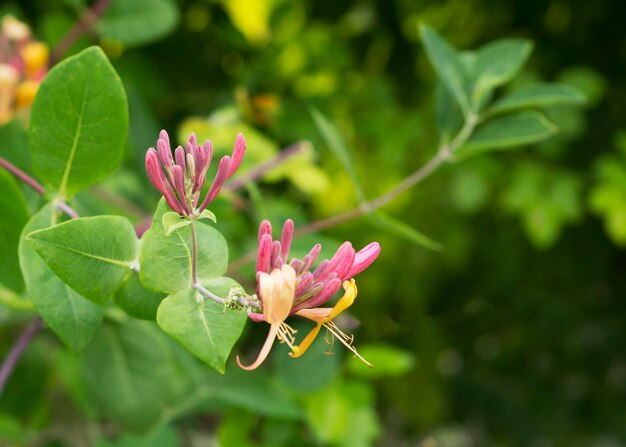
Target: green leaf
(540,95)
(201,325)
(259,393)
(138,22)
(14,212)
(448,66)
(388,361)
(506,132)
(14,145)
(206,214)
(172,221)
(74,319)
(337,146)
(129,372)
(90,254)
(497,63)
(79,122)
(137,301)
(403,230)
(166,261)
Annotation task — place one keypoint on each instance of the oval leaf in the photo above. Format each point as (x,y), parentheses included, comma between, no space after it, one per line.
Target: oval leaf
(137,301)
(139,21)
(508,131)
(166,260)
(71,317)
(130,373)
(91,254)
(497,63)
(539,95)
(79,123)
(14,212)
(447,64)
(201,325)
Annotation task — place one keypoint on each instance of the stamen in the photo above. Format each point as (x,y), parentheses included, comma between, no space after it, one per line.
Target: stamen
(343,338)
(286,335)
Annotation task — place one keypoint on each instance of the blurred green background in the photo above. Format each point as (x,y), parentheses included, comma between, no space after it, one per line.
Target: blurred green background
(513,335)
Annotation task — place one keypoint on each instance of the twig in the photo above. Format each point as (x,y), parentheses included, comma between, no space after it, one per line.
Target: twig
(16,352)
(444,153)
(87,20)
(17,172)
(35,185)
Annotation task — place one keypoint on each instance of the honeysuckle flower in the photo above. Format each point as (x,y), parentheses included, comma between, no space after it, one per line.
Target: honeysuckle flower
(312,288)
(23,65)
(180,177)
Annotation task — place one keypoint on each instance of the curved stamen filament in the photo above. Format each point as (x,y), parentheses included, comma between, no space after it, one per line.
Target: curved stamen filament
(285,334)
(345,339)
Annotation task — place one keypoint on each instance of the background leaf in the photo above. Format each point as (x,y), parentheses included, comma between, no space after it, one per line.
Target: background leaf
(337,146)
(74,319)
(14,212)
(91,254)
(447,64)
(540,95)
(129,371)
(201,325)
(506,132)
(136,300)
(79,123)
(497,63)
(138,22)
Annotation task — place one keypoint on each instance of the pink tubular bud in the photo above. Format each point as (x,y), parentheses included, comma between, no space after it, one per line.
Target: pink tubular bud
(310,259)
(208,150)
(305,282)
(345,265)
(165,137)
(330,288)
(321,269)
(238,153)
(297,265)
(165,153)
(342,252)
(158,180)
(257,318)
(264,254)
(275,254)
(179,186)
(179,154)
(286,238)
(363,259)
(265,228)
(193,140)
(218,181)
(198,155)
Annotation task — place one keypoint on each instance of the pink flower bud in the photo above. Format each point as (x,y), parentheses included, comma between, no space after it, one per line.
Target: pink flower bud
(179,154)
(238,153)
(264,254)
(363,259)
(286,238)
(158,180)
(265,228)
(218,181)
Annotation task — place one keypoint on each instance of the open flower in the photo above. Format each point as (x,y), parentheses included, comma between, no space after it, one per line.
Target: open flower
(180,178)
(311,288)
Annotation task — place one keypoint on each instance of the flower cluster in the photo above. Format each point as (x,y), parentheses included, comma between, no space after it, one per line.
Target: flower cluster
(180,178)
(23,65)
(288,288)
